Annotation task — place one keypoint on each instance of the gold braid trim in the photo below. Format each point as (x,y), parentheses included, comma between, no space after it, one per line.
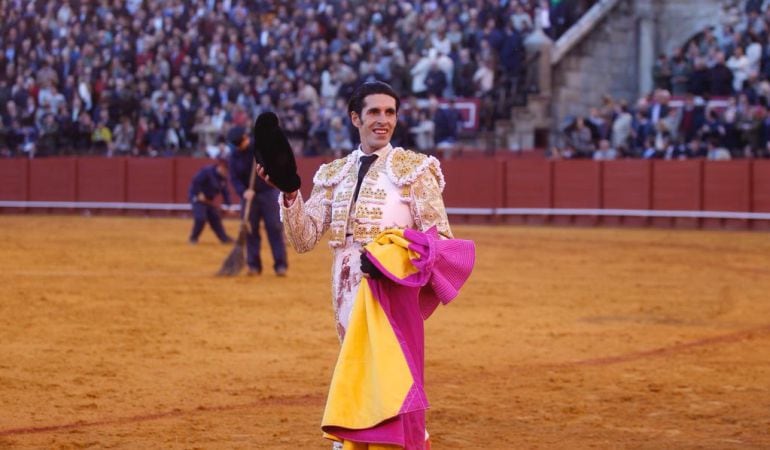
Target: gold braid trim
(405,166)
(331,174)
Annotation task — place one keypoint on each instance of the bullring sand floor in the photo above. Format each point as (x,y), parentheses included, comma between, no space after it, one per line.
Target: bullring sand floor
(114,333)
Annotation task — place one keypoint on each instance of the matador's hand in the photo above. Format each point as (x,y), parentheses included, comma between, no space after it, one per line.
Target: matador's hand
(369,269)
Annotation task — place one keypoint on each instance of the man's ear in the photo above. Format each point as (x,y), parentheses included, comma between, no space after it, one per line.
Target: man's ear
(355,119)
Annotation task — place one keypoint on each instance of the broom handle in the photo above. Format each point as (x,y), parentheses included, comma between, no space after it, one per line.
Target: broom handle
(252,180)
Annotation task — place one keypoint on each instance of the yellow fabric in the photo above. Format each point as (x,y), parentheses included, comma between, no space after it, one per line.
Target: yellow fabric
(372,377)
(396,258)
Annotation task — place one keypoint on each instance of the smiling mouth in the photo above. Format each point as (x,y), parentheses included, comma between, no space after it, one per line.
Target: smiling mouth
(380,131)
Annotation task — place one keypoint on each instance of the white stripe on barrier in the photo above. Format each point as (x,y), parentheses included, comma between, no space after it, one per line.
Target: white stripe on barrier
(101,205)
(454,211)
(616,212)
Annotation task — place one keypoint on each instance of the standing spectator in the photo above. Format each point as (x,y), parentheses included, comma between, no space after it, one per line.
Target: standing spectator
(721,77)
(483,81)
(739,64)
(699,80)
(680,73)
(512,57)
(463,76)
(206,185)
(543,17)
(447,122)
(424,131)
(621,127)
(435,81)
(661,72)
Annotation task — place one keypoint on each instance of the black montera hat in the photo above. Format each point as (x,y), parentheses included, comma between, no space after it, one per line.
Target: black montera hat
(273,152)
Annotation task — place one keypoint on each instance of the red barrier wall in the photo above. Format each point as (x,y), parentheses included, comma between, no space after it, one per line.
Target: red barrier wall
(576,184)
(726,187)
(101,179)
(473,183)
(14,179)
(760,182)
(760,189)
(677,185)
(53,180)
(528,183)
(150,180)
(626,184)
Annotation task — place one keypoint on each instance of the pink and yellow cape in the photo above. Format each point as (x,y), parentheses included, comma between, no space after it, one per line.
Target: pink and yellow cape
(376,398)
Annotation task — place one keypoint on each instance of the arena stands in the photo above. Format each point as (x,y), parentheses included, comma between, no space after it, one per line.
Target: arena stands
(711,101)
(165,78)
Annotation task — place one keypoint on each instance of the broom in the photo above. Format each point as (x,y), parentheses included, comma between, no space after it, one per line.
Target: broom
(235,261)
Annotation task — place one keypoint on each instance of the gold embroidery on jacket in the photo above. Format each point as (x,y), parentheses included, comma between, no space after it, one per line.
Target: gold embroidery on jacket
(404,162)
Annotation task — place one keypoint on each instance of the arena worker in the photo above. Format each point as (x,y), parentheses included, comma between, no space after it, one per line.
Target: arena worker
(206,185)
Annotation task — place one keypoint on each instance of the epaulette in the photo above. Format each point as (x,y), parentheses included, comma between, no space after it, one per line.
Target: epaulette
(330,174)
(405,166)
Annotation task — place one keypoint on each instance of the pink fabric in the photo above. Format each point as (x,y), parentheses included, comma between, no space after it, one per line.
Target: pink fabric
(444,266)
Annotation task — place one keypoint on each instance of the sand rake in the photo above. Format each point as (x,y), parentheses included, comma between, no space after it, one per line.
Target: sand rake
(236,260)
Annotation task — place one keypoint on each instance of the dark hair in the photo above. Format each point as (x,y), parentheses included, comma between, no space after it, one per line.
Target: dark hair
(356,102)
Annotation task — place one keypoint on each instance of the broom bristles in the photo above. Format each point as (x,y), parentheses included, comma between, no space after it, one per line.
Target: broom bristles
(236,260)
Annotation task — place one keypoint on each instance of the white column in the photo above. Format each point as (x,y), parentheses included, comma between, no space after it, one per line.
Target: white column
(646,53)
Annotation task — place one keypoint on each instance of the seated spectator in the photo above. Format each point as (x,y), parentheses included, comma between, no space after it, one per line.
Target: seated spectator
(123,137)
(605,152)
(714,152)
(696,149)
(650,150)
(676,150)
(48,144)
(101,136)
(581,139)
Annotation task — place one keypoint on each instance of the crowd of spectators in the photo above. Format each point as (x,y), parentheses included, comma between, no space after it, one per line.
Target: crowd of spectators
(171,77)
(711,100)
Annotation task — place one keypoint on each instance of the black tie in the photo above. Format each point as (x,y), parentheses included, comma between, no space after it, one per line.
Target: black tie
(366,162)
